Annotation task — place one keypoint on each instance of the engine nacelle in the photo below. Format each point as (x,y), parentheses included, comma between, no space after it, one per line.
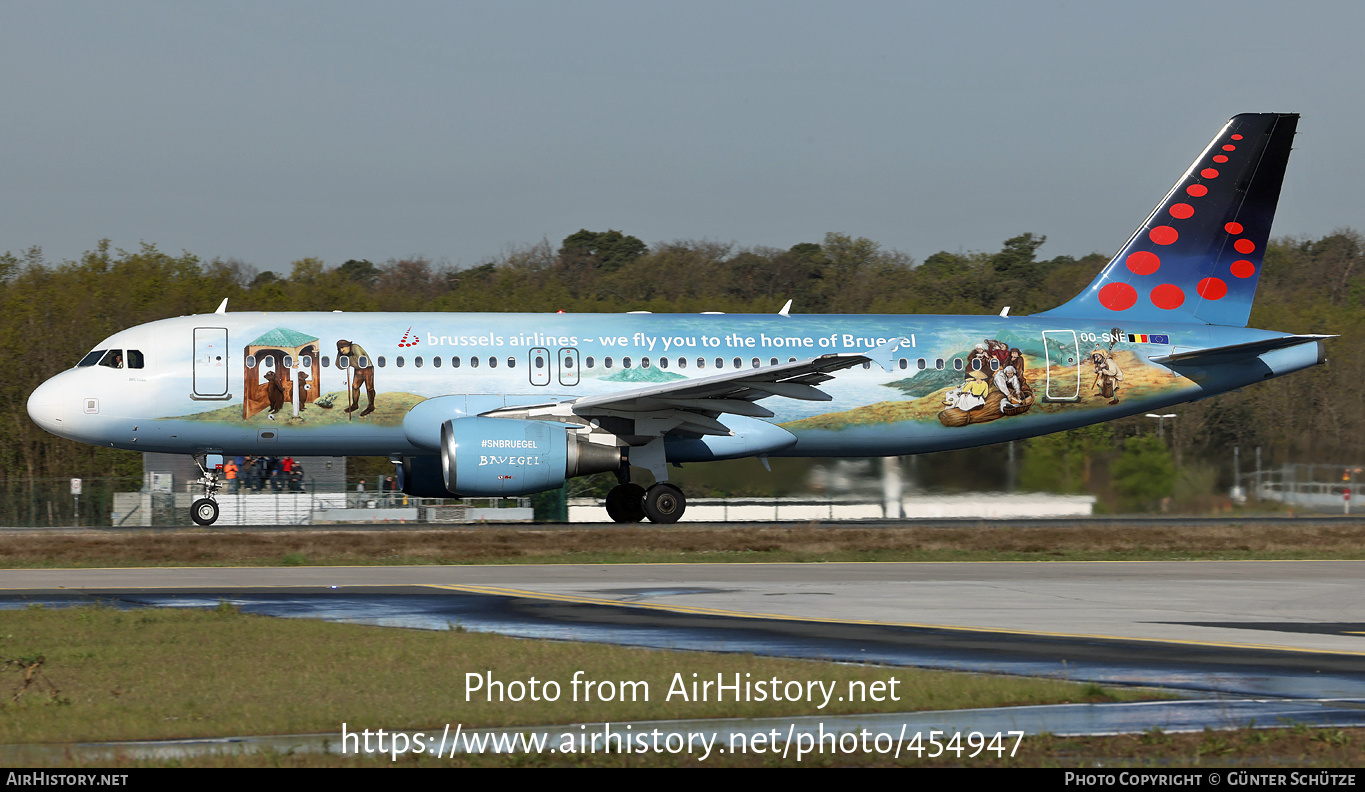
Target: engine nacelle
(489,457)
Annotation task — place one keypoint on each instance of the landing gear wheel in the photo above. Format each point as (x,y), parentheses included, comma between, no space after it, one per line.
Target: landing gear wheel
(625,503)
(204,511)
(664,503)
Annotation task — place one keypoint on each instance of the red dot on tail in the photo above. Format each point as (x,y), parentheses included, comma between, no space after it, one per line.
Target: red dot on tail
(1168,296)
(1236,137)
(1181,211)
(1244,246)
(1118,296)
(1197,190)
(1212,288)
(1233,228)
(1143,262)
(1220,158)
(1229,147)
(1243,268)
(1163,235)
(1209,173)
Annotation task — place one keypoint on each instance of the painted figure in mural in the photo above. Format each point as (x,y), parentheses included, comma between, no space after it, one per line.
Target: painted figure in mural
(1012,390)
(973,392)
(275,392)
(1107,374)
(1016,359)
(998,350)
(979,359)
(303,390)
(359,360)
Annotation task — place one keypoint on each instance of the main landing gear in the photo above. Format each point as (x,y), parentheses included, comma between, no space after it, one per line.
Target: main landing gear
(205,510)
(630,503)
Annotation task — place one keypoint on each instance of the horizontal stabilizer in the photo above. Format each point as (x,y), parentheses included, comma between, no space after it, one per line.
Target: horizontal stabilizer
(1226,354)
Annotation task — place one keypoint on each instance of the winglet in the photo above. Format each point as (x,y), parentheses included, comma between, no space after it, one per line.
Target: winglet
(222,307)
(786,310)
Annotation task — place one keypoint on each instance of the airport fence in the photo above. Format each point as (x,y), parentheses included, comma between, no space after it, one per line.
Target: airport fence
(52,502)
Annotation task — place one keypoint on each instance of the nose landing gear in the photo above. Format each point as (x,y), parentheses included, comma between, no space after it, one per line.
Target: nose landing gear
(205,510)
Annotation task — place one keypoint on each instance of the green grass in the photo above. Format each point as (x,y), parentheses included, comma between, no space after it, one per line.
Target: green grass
(97,673)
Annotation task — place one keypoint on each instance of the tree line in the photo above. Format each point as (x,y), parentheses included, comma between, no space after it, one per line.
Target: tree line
(51,313)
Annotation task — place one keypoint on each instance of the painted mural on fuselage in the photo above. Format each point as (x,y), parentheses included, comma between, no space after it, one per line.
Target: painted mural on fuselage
(984,379)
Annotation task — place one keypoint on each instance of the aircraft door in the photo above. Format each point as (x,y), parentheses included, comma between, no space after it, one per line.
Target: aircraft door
(568,366)
(210,363)
(540,366)
(1063,366)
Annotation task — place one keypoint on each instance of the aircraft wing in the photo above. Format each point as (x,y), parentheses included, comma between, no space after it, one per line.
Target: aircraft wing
(692,406)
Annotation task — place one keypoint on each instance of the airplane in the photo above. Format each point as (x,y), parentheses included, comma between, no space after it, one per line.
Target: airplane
(484,405)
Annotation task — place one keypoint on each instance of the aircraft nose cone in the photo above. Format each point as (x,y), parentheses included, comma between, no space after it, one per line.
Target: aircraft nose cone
(47,406)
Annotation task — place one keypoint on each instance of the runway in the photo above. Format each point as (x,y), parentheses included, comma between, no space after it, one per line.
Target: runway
(1250,629)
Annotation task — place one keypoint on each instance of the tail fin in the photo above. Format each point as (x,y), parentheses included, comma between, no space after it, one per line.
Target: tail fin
(1198,256)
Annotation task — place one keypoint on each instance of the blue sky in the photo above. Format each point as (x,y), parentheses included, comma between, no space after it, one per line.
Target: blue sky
(272,131)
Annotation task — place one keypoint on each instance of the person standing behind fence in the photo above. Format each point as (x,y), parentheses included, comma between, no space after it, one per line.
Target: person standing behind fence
(230,473)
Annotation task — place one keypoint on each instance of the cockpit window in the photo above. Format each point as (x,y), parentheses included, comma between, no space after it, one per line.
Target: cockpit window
(135,358)
(113,359)
(92,358)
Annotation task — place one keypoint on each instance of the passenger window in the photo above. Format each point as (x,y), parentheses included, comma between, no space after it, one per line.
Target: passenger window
(995,364)
(568,362)
(589,361)
(756,363)
(288,361)
(738,363)
(682,362)
(625,362)
(417,361)
(436,362)
(91,359)
(398,361)
(251,361)
(326,361)
(905,364)
(920,364)
(607,362)
(455,362)
(382,361)
(938,364)
(976,364)
(791,360)
(492,362)
(364,362)
(644,362)
(867,364)
(663,362)
(307,361)
(134,358)
(511,362)
(540,362)
(701,363)
(773,362)
(474,361)
(957,364)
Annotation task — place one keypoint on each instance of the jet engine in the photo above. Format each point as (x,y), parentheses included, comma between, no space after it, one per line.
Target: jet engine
(491,457)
